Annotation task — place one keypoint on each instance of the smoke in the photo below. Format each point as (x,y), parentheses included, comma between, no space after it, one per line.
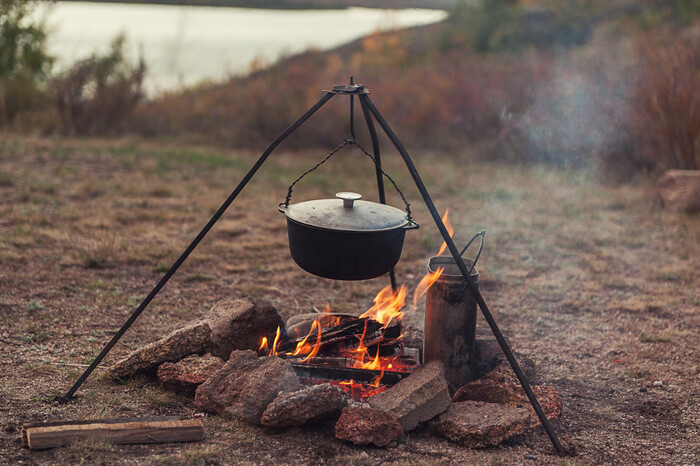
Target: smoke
(577,115)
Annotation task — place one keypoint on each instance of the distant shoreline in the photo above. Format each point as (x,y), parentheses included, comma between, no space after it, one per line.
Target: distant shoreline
(293,4)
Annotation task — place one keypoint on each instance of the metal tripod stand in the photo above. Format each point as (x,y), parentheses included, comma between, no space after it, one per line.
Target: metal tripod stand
(371,114)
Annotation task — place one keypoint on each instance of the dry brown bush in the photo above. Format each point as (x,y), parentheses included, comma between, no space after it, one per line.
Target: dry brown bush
(666,101)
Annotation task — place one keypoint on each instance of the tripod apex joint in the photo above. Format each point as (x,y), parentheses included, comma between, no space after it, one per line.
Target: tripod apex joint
(350,89)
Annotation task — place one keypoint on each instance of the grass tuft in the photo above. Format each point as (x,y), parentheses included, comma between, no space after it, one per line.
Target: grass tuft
(100,249)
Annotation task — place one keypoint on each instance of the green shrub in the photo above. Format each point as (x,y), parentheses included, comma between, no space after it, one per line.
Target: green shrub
(97,94)
(506,25)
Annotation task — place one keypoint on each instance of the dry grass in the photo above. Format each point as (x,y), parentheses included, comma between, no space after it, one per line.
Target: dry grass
(590,280)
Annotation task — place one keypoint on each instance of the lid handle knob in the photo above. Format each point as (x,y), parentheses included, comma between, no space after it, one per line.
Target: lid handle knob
(348,198)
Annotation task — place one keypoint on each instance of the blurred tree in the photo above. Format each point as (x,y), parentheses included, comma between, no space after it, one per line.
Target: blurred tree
(511,25)
(24,63)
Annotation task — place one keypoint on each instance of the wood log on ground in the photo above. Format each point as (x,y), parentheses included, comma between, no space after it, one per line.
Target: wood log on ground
(679,190)
(149,430)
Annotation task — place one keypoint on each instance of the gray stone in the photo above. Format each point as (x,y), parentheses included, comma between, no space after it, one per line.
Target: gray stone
(239,324)
(311,404)
(365,426)
(186,375)
(417,398)
(193,339)
(245,385)
(475,424)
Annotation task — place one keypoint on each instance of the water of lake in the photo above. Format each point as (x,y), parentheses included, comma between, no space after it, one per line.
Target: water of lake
(184,45)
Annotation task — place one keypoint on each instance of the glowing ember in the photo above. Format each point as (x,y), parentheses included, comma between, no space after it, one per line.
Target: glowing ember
(450,230)
(359,391)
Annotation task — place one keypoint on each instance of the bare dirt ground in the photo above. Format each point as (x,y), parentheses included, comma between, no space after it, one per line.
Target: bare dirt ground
(589,280)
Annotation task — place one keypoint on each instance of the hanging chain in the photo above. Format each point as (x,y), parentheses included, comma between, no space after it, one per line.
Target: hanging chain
(403,198)
(347,142)
(333,152)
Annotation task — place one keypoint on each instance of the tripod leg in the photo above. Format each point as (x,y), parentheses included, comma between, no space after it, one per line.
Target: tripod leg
(378,170)
(193,245)
(463,269)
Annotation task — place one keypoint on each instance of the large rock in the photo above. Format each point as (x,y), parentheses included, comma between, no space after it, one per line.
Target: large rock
(679,190)
(502,386)
(365,426)
(193,339)
(311,404)
(417,398)
(245,385)
(498,386)
(549,400)
(475,424)
(239,324)
(186,375)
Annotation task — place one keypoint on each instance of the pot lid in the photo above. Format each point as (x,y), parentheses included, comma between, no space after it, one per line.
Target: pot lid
(346,213)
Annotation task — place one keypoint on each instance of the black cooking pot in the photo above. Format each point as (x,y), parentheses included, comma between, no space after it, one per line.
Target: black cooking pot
(346,238)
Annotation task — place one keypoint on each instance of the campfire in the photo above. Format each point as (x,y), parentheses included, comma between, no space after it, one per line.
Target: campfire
(362,355)
(244,362)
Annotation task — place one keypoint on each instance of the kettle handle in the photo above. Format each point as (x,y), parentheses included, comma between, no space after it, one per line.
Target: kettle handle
(482,233)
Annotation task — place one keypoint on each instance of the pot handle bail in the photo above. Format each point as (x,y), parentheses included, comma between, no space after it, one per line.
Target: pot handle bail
(346,142)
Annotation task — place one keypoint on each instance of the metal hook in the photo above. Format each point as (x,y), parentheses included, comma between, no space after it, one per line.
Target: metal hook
(352,111)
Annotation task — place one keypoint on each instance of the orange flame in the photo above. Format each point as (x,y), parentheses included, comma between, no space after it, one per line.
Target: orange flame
(361,348)
(275,343)
(450,230)
(263,344)
(302,346)
(317,346)
(375,382)
(387,306)
(425,283)
(375,364)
